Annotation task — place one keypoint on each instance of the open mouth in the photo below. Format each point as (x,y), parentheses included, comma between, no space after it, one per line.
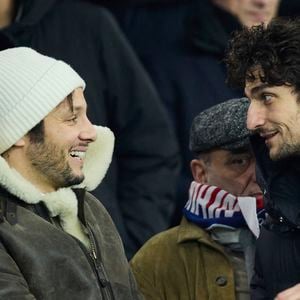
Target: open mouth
(78,154)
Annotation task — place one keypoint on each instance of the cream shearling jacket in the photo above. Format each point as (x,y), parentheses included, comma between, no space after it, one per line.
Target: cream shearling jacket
(61,245)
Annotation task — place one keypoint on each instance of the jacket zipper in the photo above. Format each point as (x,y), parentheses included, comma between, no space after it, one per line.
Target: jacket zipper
(98,265)
(95,263)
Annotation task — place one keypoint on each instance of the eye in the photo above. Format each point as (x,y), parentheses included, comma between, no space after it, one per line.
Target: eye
(240,163)
(73,119)
(267,98)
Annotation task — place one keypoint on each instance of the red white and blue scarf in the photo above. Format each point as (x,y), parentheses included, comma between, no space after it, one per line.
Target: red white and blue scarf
(209,206)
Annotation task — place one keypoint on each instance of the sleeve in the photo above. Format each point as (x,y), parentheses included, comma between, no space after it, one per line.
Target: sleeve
(146,287)
(12,282)
(146,150)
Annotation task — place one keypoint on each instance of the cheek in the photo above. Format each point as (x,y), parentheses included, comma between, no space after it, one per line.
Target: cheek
(223,182)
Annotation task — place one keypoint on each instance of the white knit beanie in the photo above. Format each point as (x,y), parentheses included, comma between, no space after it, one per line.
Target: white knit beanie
(31,86)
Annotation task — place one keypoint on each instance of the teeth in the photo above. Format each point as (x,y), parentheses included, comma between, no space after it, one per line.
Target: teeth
(79,154)
(271,135)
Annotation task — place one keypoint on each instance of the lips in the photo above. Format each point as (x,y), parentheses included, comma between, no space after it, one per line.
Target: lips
(257,16)
(78,154)
(78,151)
(268,135)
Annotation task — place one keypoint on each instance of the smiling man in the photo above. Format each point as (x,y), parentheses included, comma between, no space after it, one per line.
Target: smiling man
(210,254)
(51,230)
(265,61)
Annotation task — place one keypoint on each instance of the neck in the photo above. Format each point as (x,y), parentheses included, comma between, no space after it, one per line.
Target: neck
(7,11)
(16,161)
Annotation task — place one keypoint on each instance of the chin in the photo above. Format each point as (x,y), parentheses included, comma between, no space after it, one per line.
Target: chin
(75,180)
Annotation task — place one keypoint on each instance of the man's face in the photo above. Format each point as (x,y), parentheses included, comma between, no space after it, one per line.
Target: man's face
(274,113)
(58,159)
(255,12)
(233,172)
(251,12)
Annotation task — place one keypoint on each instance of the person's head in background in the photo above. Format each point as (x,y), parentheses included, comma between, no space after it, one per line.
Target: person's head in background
(250,12)
(223,157)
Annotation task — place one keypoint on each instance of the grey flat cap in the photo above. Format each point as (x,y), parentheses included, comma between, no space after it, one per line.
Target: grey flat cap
(221,126)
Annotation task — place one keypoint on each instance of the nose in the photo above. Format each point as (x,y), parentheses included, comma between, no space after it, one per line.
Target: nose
(255,116)
(252,171)
(88,132)
(252,186)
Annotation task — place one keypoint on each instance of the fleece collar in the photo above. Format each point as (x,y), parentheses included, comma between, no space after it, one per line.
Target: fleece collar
(63,202)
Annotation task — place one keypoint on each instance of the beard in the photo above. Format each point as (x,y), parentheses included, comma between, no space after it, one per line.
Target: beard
(52,163)
(287,150)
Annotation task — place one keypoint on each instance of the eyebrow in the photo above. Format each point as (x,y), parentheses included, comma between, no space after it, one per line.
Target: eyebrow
(258,89)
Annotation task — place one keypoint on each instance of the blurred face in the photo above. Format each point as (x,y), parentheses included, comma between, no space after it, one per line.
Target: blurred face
(251,12)
(233,172)
(255,12)
(57,159)
(274,113)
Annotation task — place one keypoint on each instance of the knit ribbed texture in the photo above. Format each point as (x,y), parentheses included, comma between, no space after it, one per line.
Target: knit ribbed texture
(31,86)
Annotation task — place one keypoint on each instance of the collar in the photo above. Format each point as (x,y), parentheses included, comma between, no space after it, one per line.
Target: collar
(188,231)
(63,202)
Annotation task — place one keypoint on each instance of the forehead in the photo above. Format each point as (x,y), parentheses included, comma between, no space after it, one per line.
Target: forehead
(72,103)
(223,155)
(254,82)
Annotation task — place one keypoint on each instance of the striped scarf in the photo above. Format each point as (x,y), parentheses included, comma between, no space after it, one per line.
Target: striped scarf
(209,207)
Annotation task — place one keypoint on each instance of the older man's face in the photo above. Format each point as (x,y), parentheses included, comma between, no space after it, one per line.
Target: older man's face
(233,172)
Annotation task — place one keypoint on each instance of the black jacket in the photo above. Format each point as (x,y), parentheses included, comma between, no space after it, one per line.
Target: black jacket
(277,261)
(119,96)
(182,47)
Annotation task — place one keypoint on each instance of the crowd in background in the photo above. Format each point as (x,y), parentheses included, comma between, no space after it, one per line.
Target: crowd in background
(150,67)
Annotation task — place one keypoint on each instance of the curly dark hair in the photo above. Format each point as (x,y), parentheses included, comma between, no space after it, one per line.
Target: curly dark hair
(275,49)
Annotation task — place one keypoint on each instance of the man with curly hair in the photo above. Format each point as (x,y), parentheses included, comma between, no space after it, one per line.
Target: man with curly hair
(265,61)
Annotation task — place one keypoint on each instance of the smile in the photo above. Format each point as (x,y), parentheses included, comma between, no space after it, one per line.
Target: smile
(78,154)
(268,136)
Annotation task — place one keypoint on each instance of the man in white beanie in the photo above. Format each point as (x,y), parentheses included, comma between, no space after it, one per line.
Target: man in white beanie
(56,240)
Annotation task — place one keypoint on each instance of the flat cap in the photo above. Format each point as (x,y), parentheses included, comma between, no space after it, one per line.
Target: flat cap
(221,126)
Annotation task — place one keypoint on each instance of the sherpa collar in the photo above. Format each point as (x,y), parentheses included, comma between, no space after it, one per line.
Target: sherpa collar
(63,202)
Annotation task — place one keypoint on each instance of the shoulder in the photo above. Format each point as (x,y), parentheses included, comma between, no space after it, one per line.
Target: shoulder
(157,251)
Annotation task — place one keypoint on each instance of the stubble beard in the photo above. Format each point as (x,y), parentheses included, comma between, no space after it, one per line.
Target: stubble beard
(51,162)
(286,150)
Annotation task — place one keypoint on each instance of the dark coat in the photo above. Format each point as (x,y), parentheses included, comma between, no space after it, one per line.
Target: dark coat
(38,260)
(182,47)
(121,97)
(277,261)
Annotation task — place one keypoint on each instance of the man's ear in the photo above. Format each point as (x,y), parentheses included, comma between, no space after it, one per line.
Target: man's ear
(21,142)
(198,168)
